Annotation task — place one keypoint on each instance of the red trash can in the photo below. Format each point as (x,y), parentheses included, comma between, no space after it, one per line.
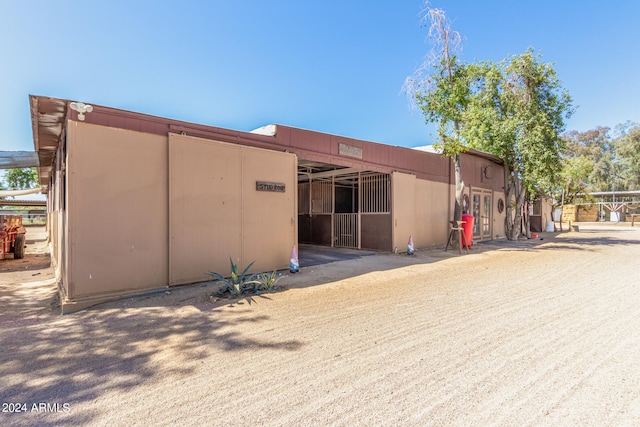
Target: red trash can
(467,228)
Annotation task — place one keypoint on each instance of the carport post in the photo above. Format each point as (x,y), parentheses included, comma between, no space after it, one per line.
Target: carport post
(333,207)
(359,226)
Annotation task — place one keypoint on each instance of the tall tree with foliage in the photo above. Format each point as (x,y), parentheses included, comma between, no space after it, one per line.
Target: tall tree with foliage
(517,113)
(572,182)
(440,88)
(627,147)
(21,179)
(595,148)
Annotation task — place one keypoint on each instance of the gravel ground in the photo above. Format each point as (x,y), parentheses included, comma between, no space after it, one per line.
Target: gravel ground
(542,332)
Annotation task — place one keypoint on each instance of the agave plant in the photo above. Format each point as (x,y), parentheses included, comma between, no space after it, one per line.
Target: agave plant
(267,281)
(237,283)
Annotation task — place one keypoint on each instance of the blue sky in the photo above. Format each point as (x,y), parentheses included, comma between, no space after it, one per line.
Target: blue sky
(332,66)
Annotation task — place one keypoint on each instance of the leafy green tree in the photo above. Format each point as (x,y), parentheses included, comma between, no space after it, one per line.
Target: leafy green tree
(572,182)
(595,147)
(517,113)
(440,88)
(593,161)
(574,178)
(21,179)
(628,156)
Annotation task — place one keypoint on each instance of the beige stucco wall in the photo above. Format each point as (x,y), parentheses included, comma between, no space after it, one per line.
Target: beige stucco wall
(117,210)
(546,208)
(269,219)
(147,211)
(53,228)
(217,214)
(144,211)
(420,210)
(55,223)
(403,188)
(498,218)
(432,212)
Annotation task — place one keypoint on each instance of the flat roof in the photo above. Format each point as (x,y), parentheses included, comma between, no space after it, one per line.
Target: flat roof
(49,116)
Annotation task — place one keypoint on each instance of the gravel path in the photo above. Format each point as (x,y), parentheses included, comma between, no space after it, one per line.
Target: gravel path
(533,333)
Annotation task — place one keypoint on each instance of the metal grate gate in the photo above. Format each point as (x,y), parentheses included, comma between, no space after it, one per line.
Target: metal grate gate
(372,195)
(345,230)
(375,193)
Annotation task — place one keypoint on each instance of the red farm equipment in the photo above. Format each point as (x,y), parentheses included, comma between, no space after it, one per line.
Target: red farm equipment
(12,236)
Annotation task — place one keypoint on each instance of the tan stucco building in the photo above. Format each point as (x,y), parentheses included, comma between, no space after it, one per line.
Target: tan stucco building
(137,203)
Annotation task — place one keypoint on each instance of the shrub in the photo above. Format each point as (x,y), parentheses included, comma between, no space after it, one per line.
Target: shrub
(267,281)
(237,283)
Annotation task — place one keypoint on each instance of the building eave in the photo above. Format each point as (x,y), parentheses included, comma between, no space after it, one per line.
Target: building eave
(48,116)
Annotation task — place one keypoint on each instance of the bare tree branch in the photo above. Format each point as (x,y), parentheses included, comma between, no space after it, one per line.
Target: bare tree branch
(445,43)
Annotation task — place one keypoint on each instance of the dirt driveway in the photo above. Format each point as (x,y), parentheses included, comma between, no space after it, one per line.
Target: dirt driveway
(533,333)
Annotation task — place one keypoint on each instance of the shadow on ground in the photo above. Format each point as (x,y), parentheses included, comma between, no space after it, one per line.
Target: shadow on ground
(30,262)
(77,358)
(117,346)
(80,357)
(312,255)
(586,239)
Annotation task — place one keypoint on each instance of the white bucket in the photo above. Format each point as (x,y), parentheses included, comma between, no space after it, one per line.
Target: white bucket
(549,228)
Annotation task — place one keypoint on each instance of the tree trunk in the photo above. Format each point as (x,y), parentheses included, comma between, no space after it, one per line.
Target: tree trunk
(508,205)
(513,219)
(526,223)
(520,198)
(457,211)
(561,210)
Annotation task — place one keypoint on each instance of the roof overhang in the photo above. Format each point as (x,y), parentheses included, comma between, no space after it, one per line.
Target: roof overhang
(48,116)
(18,159)
(485,155)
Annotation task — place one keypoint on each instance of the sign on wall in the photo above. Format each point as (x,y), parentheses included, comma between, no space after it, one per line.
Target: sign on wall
(275,187)
(349,151)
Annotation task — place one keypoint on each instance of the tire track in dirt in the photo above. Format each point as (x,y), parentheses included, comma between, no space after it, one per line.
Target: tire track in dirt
(526,335)
(384,333)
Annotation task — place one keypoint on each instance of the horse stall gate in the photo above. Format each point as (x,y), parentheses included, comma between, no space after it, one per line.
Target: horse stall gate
(344,208)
